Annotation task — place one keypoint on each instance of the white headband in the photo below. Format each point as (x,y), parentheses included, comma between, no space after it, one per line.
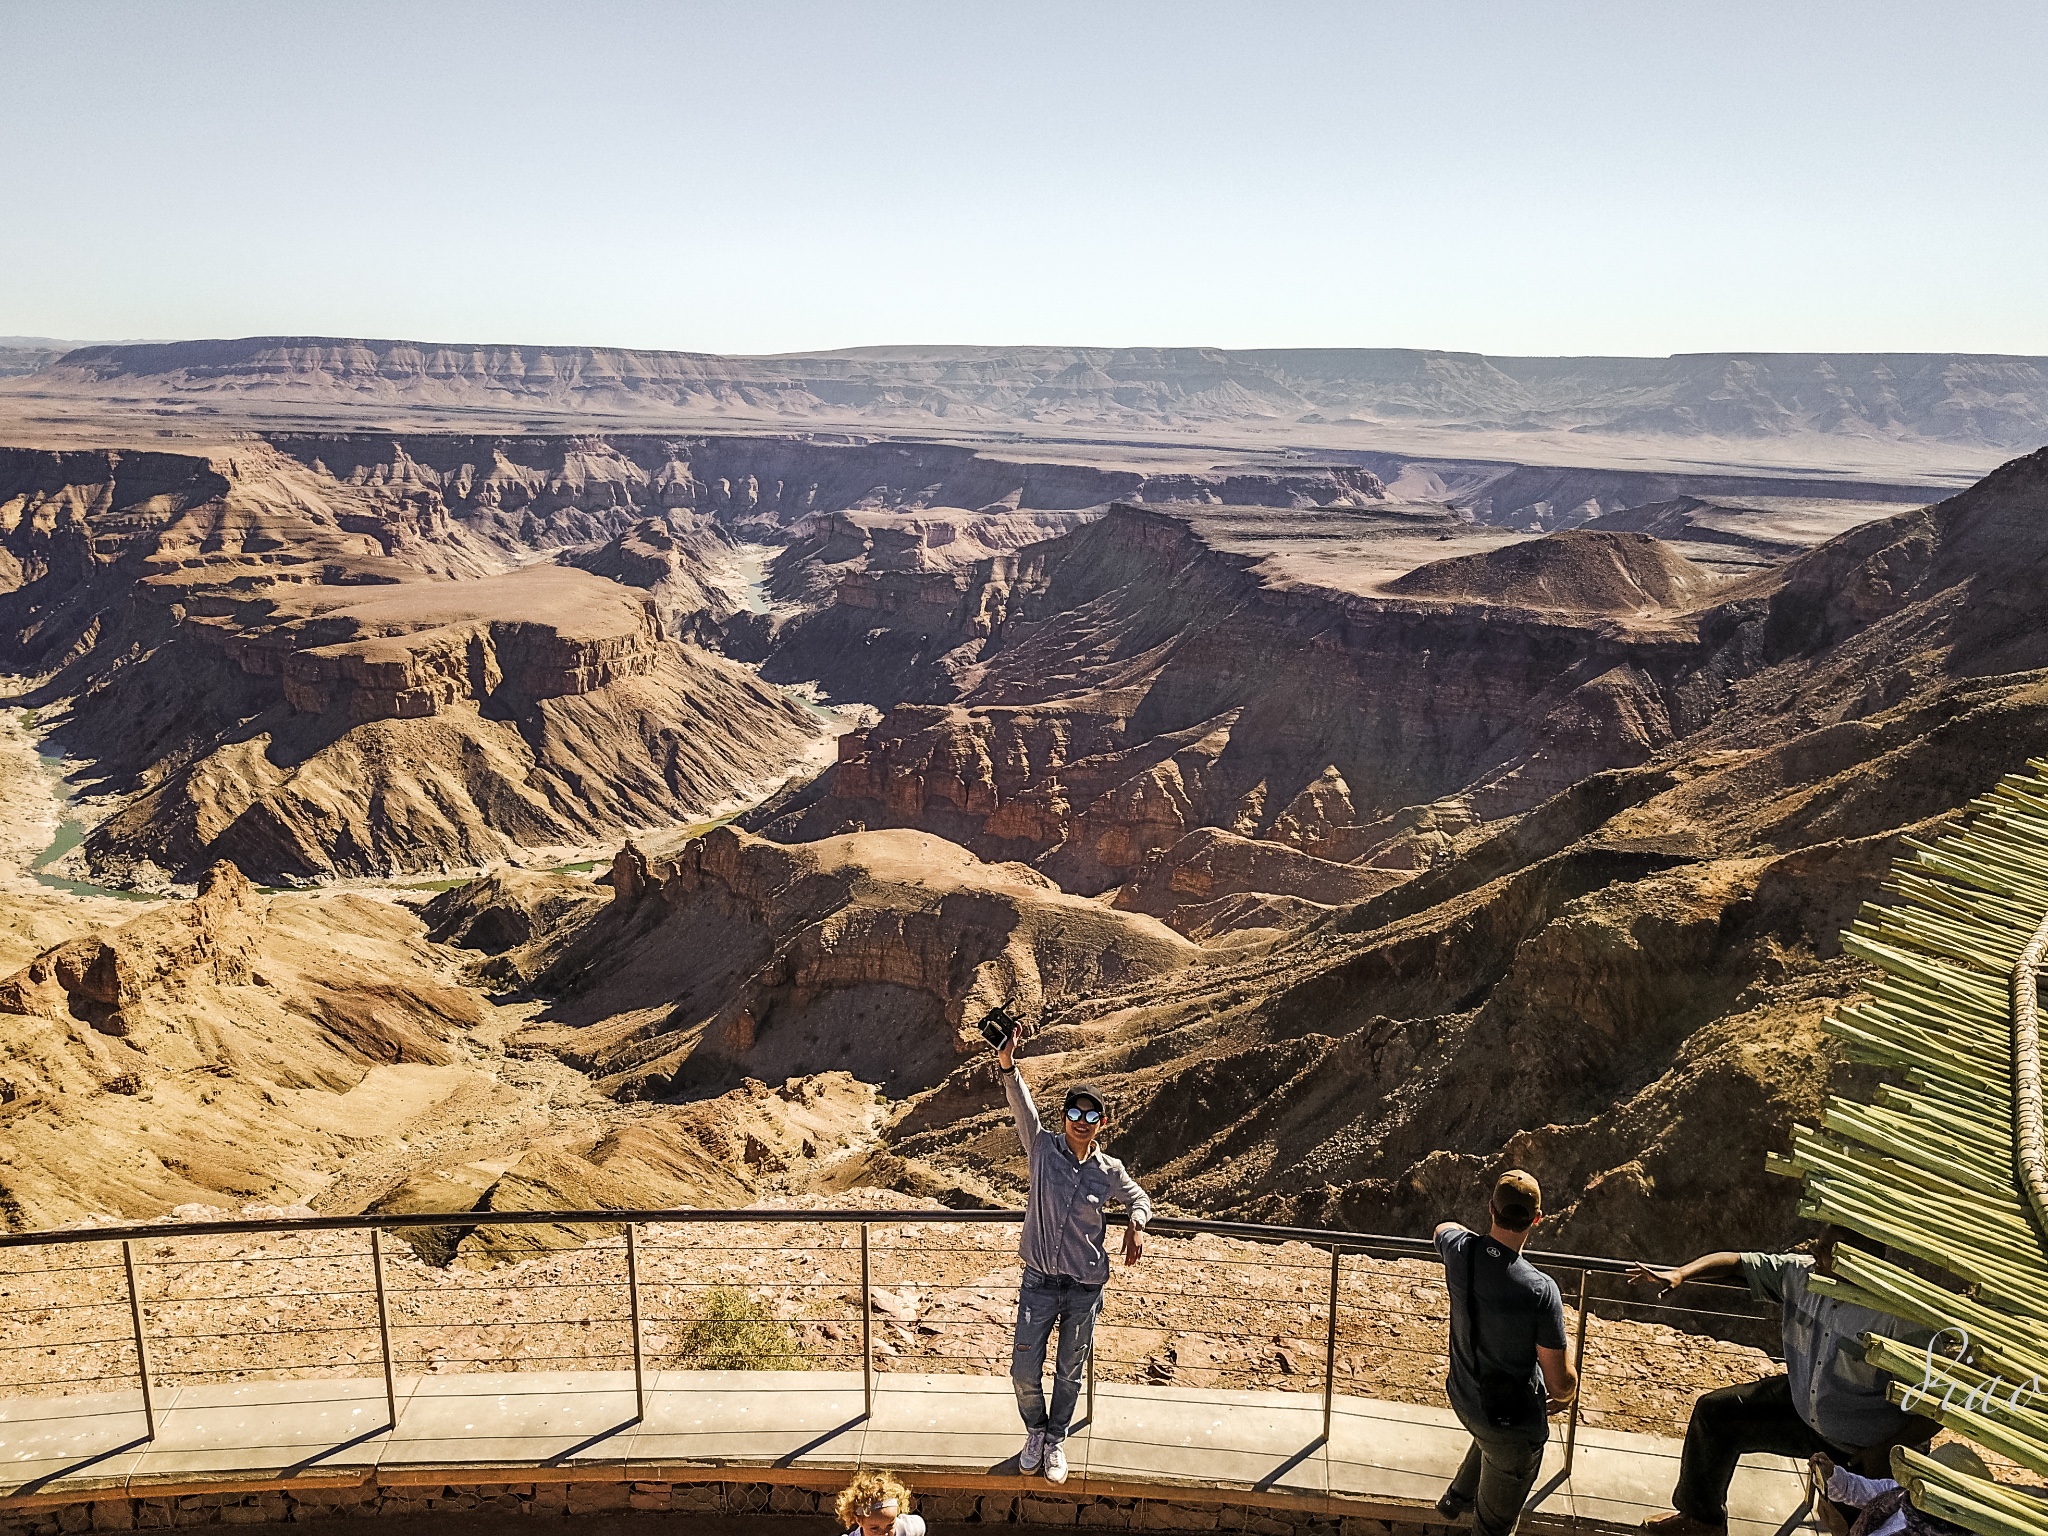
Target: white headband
(878,1507)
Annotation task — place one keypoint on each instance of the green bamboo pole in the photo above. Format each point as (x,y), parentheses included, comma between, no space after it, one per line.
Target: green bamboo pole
(1971,1515)
(1908,1464)
(1845,1160)
(1933,1236)
(1991,1329)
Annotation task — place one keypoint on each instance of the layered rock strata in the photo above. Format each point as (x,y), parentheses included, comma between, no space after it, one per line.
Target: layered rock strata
(260,678)
(1110,691)
(1974,399)
(1620,988)
(872,953)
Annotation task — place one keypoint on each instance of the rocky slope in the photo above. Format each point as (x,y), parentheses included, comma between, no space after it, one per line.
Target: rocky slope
(234,1043)
(1992,400)
(1095,698)
(314,676)
(1534,854)
(871,953)
(1580,571)
(301,1048)
(1619,987)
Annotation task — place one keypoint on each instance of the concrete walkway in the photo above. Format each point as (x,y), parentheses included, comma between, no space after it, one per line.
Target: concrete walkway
(1387,1460)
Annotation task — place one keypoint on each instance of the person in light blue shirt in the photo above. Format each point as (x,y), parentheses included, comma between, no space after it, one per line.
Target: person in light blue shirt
(1066,1263)
(1828,1400)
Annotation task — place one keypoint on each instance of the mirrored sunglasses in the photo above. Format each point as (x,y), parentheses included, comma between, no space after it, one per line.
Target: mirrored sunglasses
(1077,1114)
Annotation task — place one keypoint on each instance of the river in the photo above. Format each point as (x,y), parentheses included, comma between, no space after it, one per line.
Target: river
(70,833)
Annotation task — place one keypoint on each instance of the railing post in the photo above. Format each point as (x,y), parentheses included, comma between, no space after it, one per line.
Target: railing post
(867,1324)
(633,1304)
(1091,1383)
(141,1341)
(384,1324)
(1330,1347)
(1571,1428)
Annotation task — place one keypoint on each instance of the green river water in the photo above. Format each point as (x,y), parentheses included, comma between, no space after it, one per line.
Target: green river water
(70,833)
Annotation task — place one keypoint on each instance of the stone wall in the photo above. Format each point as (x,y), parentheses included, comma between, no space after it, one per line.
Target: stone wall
(804,1506)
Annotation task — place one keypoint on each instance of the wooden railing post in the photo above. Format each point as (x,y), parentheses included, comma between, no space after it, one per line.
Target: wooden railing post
(1571,1428)
(1330,1347)
(867,1324)
(633,1305)
(384,1325)
(141,1341)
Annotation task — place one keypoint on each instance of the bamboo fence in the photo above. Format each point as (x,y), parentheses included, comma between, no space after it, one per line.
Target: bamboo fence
(1946,1163)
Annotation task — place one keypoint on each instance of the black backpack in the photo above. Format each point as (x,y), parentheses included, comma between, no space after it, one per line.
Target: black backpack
(1506,1401)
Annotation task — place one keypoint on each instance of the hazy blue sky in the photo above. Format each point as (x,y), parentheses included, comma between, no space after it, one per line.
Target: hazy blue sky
(1639,177)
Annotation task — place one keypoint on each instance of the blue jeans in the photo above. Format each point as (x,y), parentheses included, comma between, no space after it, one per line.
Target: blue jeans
(1044,1301)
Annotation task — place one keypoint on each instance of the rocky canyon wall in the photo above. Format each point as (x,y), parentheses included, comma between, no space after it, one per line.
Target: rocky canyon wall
(1090,700)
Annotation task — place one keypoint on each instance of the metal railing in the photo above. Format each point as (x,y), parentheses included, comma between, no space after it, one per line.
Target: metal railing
(1297,1308)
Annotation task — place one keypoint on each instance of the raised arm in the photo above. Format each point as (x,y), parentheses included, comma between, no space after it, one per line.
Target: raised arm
(1023,1113)
(1707,1266)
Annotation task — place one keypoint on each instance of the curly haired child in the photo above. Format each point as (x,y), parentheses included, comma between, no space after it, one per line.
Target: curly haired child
(875,1503)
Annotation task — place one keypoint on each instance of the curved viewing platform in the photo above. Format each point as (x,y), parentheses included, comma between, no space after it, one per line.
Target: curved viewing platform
(743,1362)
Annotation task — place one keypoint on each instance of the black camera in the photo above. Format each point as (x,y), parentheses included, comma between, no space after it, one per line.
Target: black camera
(997,1025)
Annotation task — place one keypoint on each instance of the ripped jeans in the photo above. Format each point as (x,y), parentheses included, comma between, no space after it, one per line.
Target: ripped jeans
(1043,1301)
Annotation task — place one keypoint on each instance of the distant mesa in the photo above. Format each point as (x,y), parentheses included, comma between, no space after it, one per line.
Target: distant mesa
(1961,398)
(1576,571)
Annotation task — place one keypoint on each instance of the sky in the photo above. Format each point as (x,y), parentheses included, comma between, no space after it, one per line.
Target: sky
(1525,178)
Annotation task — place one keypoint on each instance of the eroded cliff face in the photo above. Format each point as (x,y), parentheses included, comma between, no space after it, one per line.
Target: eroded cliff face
(1620,988)
(538,490)
(485,731)
(873,953)
(1110,691)
(268,666)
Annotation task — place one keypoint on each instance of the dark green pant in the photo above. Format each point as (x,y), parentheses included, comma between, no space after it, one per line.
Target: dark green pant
(1496,1477)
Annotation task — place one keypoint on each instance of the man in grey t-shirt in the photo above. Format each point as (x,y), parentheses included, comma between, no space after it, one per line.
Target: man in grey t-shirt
(1508,1370)
(1073,1184)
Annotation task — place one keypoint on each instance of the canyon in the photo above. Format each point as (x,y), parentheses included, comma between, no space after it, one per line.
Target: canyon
(607,805)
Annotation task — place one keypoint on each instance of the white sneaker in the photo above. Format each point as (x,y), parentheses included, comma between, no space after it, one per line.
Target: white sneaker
(1033,1452)
(1055,1463)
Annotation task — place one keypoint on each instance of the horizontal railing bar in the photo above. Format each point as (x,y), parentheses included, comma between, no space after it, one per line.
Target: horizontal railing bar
(1350,1242)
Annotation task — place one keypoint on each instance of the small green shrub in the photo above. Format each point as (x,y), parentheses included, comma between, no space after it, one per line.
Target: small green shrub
(734,1331)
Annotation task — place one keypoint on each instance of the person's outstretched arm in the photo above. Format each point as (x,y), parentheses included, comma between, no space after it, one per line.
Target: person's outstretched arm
(1023,1113)
(1706,1266)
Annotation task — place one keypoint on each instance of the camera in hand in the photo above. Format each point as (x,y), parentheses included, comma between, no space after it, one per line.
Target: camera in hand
(997,1025)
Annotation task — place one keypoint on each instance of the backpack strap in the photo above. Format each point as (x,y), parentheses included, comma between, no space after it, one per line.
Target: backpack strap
(1472,1303)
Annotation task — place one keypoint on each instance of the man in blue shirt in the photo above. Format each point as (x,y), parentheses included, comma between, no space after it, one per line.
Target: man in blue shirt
(1073,1182)
(1508,1368)
(1827,1401)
